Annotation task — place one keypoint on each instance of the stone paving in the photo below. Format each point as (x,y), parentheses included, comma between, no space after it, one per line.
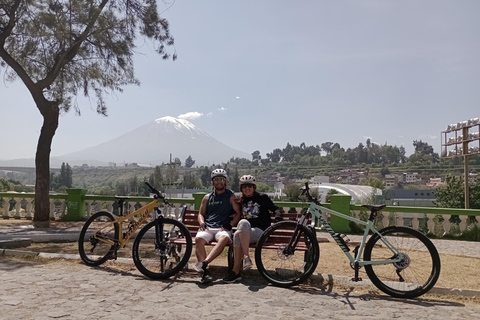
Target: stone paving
(59,290)
(72,290)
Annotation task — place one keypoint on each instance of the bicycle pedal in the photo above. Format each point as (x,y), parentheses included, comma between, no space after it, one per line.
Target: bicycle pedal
(357,279)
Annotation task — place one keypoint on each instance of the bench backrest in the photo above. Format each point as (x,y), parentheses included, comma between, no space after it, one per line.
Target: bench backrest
(190,220)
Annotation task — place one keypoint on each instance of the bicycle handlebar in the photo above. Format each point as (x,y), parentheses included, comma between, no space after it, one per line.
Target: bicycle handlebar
(306,192)
(154,191)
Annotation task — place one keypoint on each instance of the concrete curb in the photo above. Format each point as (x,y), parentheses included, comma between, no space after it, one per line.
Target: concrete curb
(316,277)
(15,243)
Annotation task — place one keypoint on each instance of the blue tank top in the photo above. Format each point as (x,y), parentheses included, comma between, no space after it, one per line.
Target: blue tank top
(218,209)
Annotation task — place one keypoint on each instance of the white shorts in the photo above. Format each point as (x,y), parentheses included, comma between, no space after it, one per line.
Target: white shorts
(209,234)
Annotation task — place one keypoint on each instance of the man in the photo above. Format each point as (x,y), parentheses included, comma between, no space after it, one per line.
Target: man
(215,220)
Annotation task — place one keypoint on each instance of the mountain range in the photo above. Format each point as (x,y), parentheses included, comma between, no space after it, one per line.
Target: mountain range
(154,143)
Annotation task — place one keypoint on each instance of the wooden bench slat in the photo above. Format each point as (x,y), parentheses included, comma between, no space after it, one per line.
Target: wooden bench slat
(190,220)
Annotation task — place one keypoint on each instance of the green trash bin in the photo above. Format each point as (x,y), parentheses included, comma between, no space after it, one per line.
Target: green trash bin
(75,205)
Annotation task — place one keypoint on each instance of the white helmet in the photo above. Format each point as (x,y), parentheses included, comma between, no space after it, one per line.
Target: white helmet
(218,173)
(248,179)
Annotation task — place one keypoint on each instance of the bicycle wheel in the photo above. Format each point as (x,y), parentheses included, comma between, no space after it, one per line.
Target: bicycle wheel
(160,257)
(415,274)
(285,265)
(92,245)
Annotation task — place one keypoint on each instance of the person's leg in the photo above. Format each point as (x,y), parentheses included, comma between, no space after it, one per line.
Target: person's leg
(222,242)
(200,251)
(237,259)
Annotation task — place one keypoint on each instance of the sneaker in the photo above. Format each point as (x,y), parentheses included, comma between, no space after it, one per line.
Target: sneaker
(232,277)
(247,263)
(198,266)
(206,277)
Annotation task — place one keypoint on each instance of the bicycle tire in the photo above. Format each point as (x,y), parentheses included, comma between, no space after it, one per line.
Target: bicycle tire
(287,266)
(92,250)
(162,260)
(413,276)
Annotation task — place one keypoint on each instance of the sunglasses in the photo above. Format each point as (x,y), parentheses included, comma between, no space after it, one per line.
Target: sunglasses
(219,179)
(247,186)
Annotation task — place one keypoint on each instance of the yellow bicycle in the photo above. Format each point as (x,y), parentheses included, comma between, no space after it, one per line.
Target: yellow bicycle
(160,249)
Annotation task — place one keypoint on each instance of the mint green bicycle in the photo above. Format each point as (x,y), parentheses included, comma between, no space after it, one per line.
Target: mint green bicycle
(400,261)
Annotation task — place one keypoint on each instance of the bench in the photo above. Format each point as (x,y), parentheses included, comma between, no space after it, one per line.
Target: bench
(190,219)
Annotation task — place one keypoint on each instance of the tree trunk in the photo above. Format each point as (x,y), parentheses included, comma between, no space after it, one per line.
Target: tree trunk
(50,112)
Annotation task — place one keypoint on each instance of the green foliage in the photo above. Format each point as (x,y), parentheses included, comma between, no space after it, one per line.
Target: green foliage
(373,182)
(451,194)
(330,193)
(12,185)
(5,185)
(292,192)
(263,187)
(235,183)
(63,180)
(189,162)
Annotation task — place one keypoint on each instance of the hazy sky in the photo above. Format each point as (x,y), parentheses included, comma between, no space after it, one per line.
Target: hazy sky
(259,74)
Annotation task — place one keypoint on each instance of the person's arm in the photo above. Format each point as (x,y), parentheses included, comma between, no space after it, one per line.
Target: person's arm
(236,217)
(238,210)
(201,213)
(277,213)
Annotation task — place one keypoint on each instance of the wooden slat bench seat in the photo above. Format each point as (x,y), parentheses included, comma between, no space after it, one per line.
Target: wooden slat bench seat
(190,219)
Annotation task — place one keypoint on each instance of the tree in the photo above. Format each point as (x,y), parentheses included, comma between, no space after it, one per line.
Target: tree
(64,47)
(235,183)
(256,156)
(65,175)
(156,179)
(451,194)
(423,153)
(373,182)
(189,162)
(275,156)
(189,181)
(293,192)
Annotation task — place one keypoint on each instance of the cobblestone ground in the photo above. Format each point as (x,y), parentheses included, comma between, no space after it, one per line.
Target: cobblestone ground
(34,289)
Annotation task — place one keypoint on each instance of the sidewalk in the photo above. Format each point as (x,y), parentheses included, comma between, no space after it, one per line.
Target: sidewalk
(70,231)
(15,238)
(59,290)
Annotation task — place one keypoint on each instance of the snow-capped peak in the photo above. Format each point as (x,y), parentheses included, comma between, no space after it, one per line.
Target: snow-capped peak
(178,124)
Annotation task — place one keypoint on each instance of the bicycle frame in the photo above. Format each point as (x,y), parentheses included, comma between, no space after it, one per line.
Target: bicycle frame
(316,210)
(123,238)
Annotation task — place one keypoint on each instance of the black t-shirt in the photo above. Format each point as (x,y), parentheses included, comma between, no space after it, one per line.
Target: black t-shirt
(256,210)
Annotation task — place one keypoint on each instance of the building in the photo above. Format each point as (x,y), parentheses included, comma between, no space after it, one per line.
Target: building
(409,198)
(359,194)
(413,177)
(435,182)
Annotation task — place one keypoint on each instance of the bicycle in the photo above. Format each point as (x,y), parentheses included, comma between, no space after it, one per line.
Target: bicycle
(160,249)
(400,261)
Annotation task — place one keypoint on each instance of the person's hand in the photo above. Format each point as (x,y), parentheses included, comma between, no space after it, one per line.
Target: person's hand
(202,227)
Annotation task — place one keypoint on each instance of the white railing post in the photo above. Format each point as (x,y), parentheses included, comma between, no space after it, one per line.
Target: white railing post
(415,221)
(463,223)
(399,219)
(446,223)
(18,207)
(52,209)
(29,210)
(430,222)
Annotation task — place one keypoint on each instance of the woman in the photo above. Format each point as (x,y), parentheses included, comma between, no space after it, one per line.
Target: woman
(256,209)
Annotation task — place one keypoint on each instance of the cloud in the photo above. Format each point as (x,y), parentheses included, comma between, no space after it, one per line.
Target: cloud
(190,115)
(222,109)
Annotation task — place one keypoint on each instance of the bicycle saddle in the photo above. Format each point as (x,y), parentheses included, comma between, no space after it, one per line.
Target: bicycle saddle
(374,207)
